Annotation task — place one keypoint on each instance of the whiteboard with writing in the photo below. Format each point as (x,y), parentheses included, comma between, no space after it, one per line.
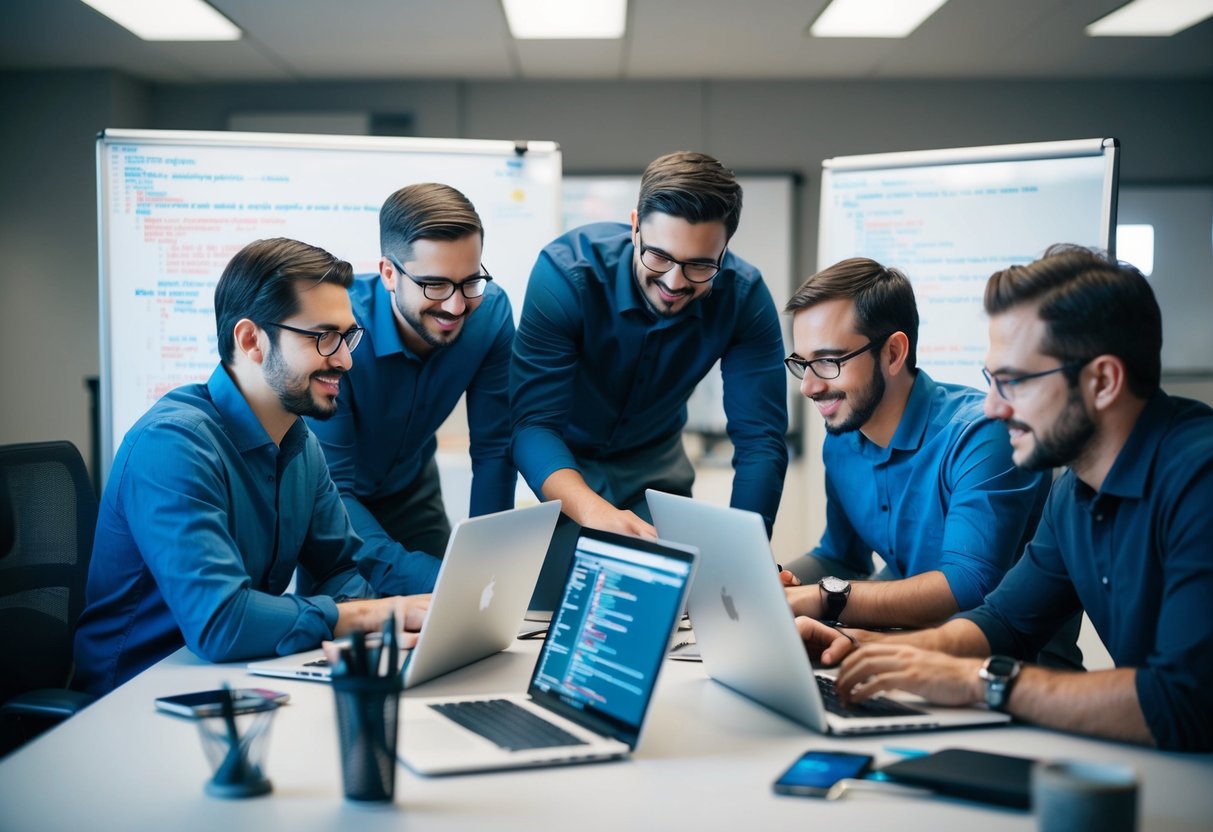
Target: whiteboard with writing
(174,206)
(951,218)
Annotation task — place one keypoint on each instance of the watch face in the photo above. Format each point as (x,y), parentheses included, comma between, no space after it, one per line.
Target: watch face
(832,584)
(1000,666)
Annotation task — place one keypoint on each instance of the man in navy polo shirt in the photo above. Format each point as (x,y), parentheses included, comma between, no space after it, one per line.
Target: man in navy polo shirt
(436,327)
(1127,533)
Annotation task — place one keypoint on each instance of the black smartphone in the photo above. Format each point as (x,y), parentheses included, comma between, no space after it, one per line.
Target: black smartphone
(815,771)
(209,702)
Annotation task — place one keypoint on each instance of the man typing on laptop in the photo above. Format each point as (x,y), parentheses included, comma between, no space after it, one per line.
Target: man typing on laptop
(1127,534)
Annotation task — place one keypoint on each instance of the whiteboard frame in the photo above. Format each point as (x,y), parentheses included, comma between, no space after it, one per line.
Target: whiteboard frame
(206,138)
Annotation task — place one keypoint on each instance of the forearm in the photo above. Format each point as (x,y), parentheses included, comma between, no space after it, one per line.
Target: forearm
(1101,703)
(921,601)
(579,502)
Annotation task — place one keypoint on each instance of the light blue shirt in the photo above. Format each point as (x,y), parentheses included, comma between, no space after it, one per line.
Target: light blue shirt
(944,495)
(392,403)
(201,526)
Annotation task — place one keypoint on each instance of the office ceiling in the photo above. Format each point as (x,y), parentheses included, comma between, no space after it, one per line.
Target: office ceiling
(324,40)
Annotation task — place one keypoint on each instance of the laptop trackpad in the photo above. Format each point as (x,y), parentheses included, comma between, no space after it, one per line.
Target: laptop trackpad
(440,733)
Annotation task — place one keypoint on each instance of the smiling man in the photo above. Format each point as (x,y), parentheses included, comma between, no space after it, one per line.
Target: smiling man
(219,491)
(436,327)
(1127,534)
(915,472)
(620,322)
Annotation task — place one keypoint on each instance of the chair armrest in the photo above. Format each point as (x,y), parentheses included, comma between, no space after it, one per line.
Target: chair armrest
(49,703)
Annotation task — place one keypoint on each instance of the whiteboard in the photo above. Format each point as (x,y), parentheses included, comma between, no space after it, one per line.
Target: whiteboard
(951,218)
(174,206)
(764,239)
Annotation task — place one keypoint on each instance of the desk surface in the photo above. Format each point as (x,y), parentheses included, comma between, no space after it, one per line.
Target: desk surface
(706,761)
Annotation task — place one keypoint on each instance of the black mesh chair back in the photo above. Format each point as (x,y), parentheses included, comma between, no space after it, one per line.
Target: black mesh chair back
(48,514)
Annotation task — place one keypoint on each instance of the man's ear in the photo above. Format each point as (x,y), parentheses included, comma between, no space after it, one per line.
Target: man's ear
(896,351)
(635,221)
(387,274)
(251,340)
(1104,380)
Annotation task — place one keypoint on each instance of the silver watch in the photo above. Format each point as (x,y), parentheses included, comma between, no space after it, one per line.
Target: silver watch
(999,674)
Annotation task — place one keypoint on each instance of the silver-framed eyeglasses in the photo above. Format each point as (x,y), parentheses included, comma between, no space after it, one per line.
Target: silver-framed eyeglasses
(1005,385)
(694,271)
(328,341)
(440,288)
(829,368)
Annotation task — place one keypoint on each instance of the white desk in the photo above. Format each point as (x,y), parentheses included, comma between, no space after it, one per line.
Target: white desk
(706,762)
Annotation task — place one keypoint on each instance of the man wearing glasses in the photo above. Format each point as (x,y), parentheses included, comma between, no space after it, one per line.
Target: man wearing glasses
(437,327)
(219,491)
(619,324)
(915,472)
(1127,534)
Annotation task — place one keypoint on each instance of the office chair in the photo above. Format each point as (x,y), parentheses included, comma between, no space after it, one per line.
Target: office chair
(48,513)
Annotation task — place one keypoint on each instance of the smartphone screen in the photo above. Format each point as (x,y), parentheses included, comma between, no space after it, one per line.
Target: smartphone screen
(815,771)
(209,702)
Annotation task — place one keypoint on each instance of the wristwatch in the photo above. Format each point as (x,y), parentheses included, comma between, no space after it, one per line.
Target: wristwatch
(834,595)
(999,674)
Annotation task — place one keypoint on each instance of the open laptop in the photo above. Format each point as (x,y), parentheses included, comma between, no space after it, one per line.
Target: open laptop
(593,680)
(483,585)
(747,638)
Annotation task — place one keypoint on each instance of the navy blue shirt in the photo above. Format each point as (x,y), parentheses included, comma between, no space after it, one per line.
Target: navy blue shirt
(201,526)
(391,404)
(1137,555)
(597,374)
(944,495)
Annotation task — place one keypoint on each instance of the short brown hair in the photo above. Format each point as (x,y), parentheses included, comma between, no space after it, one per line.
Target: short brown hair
(883,297)
(1090,306)
(691,186)
(426,211)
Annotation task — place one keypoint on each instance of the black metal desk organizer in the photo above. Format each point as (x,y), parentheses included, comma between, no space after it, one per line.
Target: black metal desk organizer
(367,685)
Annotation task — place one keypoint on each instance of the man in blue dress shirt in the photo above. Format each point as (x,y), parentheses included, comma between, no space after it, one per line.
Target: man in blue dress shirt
(219,491)
(915,472)
(436,326)
(619,324)
(1127,534)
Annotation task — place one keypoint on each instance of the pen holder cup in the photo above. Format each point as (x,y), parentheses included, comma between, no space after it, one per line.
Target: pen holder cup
(238,766)
(367,711)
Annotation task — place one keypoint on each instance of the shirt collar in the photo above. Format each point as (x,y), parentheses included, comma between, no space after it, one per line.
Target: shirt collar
(384,334)
(1131,470)
(239,420)
(917,414)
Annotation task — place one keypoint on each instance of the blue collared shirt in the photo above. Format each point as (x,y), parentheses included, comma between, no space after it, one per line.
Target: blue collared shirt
(391,404)
(1138,556)
(944,495)
(201,526)
(597,374)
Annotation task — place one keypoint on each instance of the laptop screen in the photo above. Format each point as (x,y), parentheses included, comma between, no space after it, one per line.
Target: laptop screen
(608,637)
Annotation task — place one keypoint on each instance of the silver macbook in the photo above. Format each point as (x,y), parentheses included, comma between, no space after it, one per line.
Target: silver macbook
(747,637)
(593,681)
(483,586)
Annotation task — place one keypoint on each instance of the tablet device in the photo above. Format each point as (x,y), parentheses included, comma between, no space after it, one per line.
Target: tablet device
(975,775)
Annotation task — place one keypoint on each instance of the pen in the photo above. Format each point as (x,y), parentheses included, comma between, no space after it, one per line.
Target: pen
(358,653)
(389,641)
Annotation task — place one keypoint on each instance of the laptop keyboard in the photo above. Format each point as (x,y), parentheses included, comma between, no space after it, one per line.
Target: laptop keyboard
(506,724)
(878,706)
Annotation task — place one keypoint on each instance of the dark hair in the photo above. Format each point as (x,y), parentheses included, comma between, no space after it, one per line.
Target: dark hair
(1090,306)
(691,186)
(259,284)
(428,211)
(883,297)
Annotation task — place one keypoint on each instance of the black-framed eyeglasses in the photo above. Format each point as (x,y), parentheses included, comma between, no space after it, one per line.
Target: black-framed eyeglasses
(328,341)
(439,288)
(659,261)
(829,368)
(1005,385)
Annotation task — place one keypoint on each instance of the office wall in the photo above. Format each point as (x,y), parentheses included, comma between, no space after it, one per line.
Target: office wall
(47,209)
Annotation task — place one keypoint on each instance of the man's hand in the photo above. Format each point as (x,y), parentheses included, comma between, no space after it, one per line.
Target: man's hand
(804,600)
(937,677)
(368,616)
(610,519)
(788,579)
(825,643)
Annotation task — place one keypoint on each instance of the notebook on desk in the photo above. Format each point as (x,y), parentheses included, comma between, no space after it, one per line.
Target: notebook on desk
(747,637)
(486,578)
(594,678)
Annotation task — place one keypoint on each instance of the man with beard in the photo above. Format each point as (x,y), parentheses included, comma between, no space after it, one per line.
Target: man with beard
(620,322)
(1127,534)
(436,327)
(915,472)
(219,491)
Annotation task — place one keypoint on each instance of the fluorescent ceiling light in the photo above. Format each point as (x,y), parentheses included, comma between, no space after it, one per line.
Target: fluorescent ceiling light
(168,19)
(566,19)
(872,18)
(1152,18)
